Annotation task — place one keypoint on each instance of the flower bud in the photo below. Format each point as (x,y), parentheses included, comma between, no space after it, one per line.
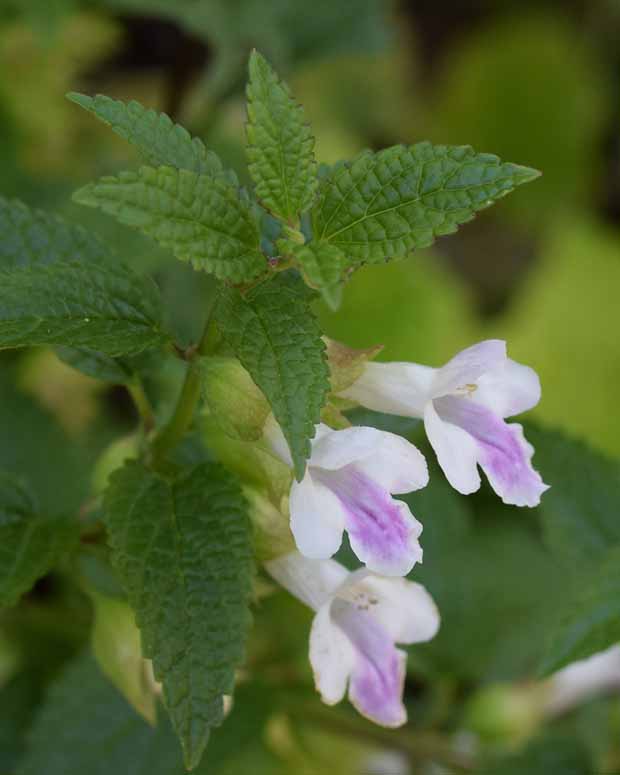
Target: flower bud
(273,536)
(506,712)
(236,403)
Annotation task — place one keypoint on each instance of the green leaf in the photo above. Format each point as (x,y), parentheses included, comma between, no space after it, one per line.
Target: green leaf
(35,448)
(554,753)
(96,364)
(590,621)
(322,266)
(82,305)
(183,554)
(280,145)
(29,544)
(199,218)
(276,337)
(29,236)
(579,513)
(383,205)
(85,726)
(157,137)
(18,700)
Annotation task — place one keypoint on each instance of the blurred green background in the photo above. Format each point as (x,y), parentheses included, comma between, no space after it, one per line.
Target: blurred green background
(537,82)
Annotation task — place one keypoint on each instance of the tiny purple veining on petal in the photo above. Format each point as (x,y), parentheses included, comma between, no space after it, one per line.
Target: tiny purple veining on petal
(376,681)
(504,453)
(374,520)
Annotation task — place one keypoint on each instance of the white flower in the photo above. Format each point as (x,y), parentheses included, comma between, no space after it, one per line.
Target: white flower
(359,619)
(350,476)
(463,405)
(582,680)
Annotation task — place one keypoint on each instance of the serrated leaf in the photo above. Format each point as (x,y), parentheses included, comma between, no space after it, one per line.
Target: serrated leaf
(82,305)
(276,337)
(29,544)
(579,514)
(183,554)
(29,236)
(383,205)
(199,218)
(321,264)
(156,136)
(590,621)
(280,145)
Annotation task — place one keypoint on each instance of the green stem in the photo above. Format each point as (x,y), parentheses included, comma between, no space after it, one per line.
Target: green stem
(419,746)
(176,427)
(143,405)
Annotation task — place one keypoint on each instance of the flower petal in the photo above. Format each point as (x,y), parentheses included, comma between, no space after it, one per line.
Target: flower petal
(313,582)
(395,464)
(503,452)
(583,679)
(396,388)
(508,389)
(403,608)
(378,673)
(382,531)
(317,518)
(331,655)
(468,366)
(337,449)
(456,451)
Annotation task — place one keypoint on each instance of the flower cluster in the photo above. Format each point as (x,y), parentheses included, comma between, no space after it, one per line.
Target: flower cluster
(351,477)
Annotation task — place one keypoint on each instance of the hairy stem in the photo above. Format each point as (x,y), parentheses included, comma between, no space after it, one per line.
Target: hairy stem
(418,747)
(142,403)
(176,427)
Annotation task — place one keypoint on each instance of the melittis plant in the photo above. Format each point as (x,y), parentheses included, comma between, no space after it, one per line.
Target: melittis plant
(281,475)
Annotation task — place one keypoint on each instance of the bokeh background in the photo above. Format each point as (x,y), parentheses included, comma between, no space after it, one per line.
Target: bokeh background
(538,83)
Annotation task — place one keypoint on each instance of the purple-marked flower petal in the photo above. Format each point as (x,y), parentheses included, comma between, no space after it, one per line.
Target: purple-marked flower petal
(382,531)
(509,389)
(468,366)
(392,462)
(503,452)
(317,518)
(456,451)
(395,388)
(378,673)
(395,464)
(332,656)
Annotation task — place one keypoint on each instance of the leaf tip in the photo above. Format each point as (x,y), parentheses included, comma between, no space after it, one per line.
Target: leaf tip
(80,99)
(526,174)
